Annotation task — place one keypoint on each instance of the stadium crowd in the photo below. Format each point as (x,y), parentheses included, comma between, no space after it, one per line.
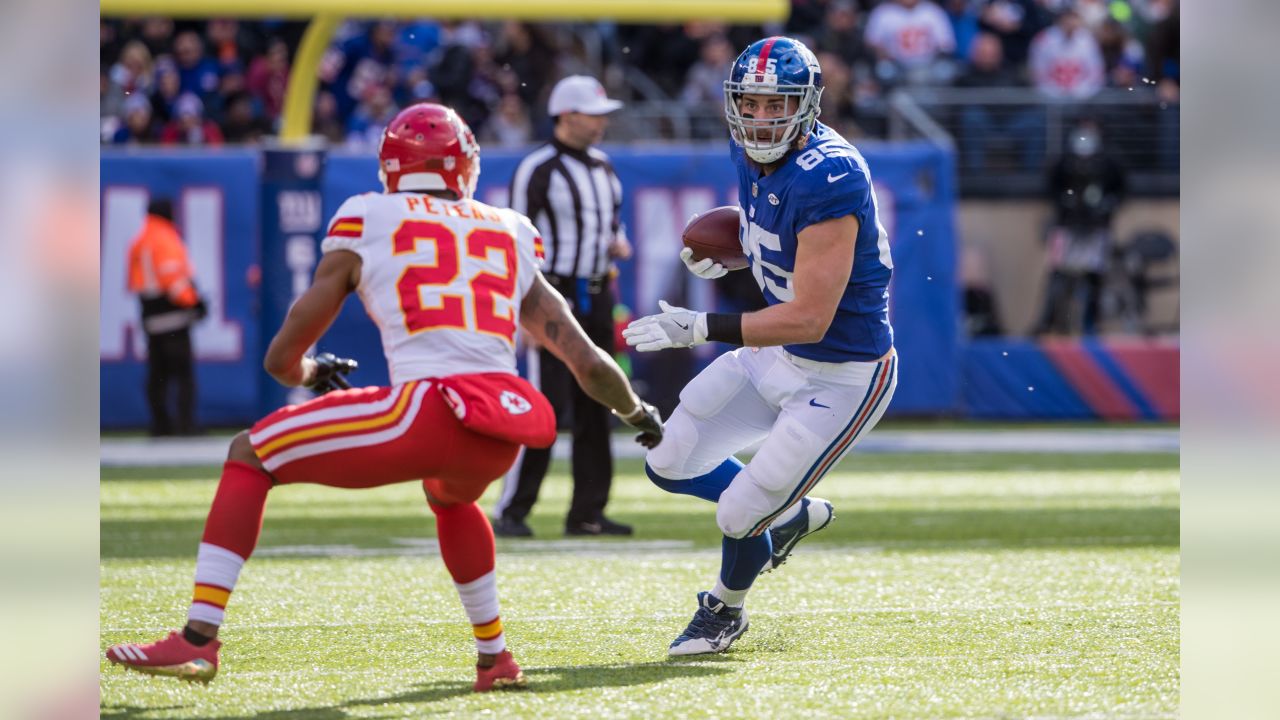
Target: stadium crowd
(224,81)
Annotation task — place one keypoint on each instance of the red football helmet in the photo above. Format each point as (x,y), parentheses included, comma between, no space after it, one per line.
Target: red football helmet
(428,147)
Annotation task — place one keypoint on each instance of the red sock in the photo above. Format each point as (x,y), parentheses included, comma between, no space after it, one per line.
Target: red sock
(466,540)
(235,519)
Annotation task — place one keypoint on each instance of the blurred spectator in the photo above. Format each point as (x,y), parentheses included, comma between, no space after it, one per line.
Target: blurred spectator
(987,67)
(417,87)
(1163,55)
(455,68)
(1093,13)
(664,51)
(357,63)
(509,127)
(842,33)
(325,120)
(241,122)
(523,49)
(911,39)
(485,88)
(1015,22)
(1086,186)
(837,95)
(1121,53)
(110,41)
(168,89)
(1065,60)
(137,127)
(1164,69)
(157,34)
(231,84)
(704,83)
(268,78)
(456,63)
(807,17)
(981,125)
(415,41)
(225,43)
(132,74)
(371,117)
(980,317)
(704,86)
(189,126)
(197,73)
(964,22)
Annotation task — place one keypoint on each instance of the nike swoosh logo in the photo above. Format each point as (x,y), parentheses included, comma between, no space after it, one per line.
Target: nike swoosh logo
(832,178)
(814,402)
(682,327)
(786,547)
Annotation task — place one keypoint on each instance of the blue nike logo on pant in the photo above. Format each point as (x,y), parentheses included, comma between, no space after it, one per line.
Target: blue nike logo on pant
(814,402)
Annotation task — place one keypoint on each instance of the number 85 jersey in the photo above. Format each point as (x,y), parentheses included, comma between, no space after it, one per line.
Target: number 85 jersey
(441,279)
(827,178)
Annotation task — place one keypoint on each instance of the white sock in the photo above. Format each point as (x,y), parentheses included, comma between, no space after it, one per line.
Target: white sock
(217,570)
(732,598)
(480,600)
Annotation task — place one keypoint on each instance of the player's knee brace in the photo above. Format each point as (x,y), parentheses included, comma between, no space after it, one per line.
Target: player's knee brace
(731,521)
(741,507)
(669,459)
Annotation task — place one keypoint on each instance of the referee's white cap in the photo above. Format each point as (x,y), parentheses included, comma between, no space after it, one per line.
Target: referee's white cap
(580,93)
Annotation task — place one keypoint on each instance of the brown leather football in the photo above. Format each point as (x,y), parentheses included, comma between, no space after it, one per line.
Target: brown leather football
(714,234)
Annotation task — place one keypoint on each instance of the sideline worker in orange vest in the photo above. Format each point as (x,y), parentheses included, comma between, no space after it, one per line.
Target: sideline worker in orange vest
(161,275)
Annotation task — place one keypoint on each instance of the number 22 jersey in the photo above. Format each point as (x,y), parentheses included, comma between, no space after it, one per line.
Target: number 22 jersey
(442,279)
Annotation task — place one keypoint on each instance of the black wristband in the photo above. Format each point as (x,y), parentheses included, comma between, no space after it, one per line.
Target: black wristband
(725,328)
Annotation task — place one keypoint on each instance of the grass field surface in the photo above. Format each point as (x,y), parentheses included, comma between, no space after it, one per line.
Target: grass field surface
(975,585)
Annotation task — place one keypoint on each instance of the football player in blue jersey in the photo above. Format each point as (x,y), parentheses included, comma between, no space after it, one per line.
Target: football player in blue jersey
(816,368)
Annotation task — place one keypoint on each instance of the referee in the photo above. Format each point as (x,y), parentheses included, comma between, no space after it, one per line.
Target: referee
(570,191)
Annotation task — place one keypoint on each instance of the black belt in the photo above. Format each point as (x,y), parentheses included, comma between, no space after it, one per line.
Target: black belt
(568,283)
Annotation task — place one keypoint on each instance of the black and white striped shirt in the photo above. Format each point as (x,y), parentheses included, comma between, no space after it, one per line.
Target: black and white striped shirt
(573,197)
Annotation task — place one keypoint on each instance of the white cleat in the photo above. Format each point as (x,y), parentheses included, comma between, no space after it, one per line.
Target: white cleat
(713,629)
(815,514)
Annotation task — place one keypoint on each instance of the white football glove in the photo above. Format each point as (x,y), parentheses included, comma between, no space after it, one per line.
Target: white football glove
(706,268)
(675,327)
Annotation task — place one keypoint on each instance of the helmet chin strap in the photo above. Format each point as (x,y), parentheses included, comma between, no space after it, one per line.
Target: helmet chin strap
(767,157)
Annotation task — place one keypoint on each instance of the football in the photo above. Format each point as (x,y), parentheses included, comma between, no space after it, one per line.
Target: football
(714,234)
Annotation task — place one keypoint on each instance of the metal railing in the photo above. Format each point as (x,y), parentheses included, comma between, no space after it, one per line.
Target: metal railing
(1006,138)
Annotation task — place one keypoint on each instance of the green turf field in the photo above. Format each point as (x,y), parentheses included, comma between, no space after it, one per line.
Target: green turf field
(948,586)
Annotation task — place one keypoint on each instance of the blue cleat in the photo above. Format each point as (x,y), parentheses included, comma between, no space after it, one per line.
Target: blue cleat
(713,629)
(815,514)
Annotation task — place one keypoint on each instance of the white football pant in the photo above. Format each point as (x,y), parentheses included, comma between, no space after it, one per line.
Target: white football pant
(808,413)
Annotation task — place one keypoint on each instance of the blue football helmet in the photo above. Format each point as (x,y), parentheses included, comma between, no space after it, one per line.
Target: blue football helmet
(773,66)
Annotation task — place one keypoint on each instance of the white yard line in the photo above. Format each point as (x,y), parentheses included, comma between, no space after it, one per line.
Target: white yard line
(415,547)
(429,546)
(164,452)
(514,617)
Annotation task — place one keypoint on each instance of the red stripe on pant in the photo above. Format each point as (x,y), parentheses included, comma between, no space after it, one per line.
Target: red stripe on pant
(458,462)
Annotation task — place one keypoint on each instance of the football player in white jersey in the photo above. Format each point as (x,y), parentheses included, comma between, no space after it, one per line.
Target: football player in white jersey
(445,278)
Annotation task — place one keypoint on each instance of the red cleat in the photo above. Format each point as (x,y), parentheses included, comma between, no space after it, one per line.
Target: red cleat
(505,673)
(173,657)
